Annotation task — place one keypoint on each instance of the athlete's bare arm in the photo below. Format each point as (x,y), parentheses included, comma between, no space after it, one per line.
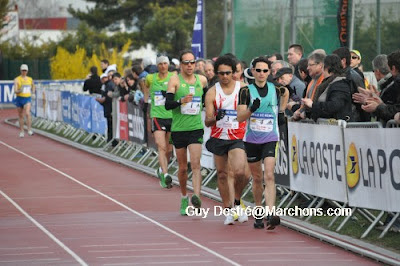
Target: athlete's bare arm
(210,108)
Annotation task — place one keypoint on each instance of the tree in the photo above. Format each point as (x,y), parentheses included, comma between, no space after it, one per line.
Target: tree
(3,10)
(175,20)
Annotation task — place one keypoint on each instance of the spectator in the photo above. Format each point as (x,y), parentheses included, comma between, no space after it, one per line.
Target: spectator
(303,72)
(104,65)
(93,83)
(149,66)
(272,58)
(286,77)
(199,67)
(295,53)
(387,111)
(333,96)
(315,69)
(355,80)
(355,62)
(106,101)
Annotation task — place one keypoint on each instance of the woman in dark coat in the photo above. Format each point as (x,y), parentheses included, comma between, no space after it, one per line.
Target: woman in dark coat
(334,97)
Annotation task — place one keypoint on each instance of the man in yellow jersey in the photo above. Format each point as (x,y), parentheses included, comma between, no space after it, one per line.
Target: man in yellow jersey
(24,89)
(184,98)
(156,85)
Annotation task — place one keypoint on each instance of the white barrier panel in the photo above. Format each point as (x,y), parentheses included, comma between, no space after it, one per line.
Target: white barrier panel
(53,100)
(207,158)
(373,168)
(317,160)
(40,102)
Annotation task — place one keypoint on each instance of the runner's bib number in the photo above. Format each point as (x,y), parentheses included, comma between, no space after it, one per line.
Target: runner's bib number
(26,88)
(262,122)
(159,99)
(229,121)
(191,108)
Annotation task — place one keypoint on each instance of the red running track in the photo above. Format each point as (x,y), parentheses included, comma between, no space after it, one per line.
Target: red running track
(62,206)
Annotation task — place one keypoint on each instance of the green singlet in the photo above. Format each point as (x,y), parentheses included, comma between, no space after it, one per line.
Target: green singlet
(157,99)
(187,117)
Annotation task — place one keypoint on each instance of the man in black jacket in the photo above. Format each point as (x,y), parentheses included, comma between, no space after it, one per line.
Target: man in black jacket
(93,83)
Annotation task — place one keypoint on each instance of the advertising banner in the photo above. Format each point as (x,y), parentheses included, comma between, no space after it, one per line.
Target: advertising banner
(52,101)
(197,38)
(66,106)
(75,110)
(7,91)
(40,102)
(373,168)
(136,124)
(317,160)
(99,123)
(85,113)
(123,121)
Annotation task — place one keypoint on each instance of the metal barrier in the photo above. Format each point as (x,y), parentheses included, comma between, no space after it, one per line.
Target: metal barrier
(391,123)
(149,157)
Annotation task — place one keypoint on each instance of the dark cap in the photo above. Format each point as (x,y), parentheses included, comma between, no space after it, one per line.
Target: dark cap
(282,71)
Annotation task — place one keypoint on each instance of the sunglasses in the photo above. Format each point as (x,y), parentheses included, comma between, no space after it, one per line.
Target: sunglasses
(263,70)
(223,73)
(187,62)
(354,57)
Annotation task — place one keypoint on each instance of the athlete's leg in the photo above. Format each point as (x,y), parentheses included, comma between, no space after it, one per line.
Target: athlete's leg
(269,178)
(222,179)
(257,174)
(21,118)
(160,138)
(195,154)
(181,156)
(27,111)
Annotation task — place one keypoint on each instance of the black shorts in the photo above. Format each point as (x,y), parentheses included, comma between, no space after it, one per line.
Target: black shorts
(182,139)
(221,146)
(256,152)
(161,124)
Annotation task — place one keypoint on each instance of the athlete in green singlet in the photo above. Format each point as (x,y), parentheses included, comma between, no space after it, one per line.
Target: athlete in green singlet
(184,98)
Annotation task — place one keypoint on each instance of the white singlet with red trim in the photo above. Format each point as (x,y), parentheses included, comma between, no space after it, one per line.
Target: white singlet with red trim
(228,128)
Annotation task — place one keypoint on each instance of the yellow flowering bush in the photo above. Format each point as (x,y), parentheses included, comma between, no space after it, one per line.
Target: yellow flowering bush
(66,65)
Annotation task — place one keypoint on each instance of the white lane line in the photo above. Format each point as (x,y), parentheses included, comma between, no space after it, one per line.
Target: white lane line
(30,261)
(22,248)
(136,250)
(285,253)
(44,230)
(160,262)
(126,207)
(298,260)
(24,254)
(135,244)
(286,247)
(258,242)
(149,256)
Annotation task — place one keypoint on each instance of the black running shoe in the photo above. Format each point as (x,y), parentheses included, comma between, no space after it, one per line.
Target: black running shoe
(272,222)
(259,223)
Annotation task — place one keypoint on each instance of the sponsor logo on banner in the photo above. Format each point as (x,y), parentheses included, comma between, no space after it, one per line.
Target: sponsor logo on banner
(369,166)
(373,168)
(352,167)
(294,155)
(123,121)
(317,160)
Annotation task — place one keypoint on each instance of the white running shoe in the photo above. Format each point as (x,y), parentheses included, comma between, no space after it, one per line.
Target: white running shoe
(30,132)
(21,134)
(229,219)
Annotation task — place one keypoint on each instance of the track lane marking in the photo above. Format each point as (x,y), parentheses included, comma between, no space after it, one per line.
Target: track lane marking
(123,206)
(44,230)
